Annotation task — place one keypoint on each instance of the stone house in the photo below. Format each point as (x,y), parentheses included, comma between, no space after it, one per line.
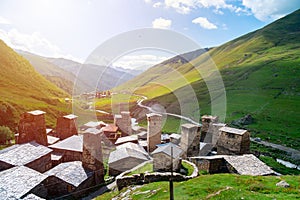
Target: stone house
(175,138)
(66,126)
(69,149)
(32,155)
(110,131)
(215,131)
(19,182)
(32,127)
(162,157)
(68,179)
(190,139)
(123,159)
(233,141)
(133,146)
(153,130)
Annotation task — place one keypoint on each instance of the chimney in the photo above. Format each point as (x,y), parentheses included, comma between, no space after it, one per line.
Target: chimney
(32,127)
(92,153)
(154,130)
(66,126)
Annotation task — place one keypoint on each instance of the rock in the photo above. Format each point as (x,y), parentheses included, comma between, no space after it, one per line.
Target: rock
(283,184)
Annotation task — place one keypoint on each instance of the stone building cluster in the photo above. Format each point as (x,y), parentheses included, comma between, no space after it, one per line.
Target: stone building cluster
(67,162)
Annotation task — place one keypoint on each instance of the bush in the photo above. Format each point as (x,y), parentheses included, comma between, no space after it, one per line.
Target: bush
(5,134)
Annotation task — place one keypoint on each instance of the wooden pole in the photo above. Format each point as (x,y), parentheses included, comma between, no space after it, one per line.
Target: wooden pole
(171,178)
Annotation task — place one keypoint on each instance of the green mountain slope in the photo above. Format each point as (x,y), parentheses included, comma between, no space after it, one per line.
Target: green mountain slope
(23,89)
(261,74)
(60,77)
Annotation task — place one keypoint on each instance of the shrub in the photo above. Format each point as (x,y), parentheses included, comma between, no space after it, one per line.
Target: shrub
(5,134)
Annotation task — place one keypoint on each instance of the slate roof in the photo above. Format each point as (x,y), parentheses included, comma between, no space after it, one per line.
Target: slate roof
(93,124)
(71,116)
(166,149)
(36,112)
(233,130)
(17,181)
(124,153)
(70,172)
(175,136)
(110,128)
(130,138)
(133,146)
(73,143)
(52,139)
(153,114)
(32,197)
(248,164)
(93,131)
(188,125)
(22,154)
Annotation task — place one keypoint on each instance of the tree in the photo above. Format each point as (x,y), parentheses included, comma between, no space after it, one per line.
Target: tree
(5,134)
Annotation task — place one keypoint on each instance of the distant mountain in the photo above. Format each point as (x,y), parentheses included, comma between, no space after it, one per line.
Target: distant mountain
(23,89)
(95,76)
(60,77)
(261,74)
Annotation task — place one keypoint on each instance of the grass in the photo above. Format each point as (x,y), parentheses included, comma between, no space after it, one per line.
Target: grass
(218,186)
(145,168)
(189,168)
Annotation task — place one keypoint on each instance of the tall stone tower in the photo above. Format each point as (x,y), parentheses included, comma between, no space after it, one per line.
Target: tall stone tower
(154,130)
(92,154)
(123,121)
(207,121)
(66,126)
(190,139)
(32,127)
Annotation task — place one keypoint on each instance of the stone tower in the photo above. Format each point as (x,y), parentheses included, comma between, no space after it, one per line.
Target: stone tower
(190,139)
(92,153)
(123,121)
(207,121)
(32,127)
(233,141)
(154,130)
(66,126)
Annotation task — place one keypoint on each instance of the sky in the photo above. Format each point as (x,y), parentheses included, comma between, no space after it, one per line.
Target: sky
(72,29)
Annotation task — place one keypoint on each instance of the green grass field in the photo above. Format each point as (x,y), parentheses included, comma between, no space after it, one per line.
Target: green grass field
(218,186)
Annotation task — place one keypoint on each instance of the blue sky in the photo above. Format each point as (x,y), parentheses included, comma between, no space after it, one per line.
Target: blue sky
(74,28)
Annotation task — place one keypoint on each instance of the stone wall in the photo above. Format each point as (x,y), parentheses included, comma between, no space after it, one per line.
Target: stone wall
(212,166)
(32,127)
(42,164)
(214,130)
(154,131)
(136,179)
(162,162)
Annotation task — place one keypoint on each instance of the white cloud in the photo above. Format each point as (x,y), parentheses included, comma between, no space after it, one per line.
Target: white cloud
(270,10)
(34,43)
(4,21)
(139,61)
(157,5)
(186,6)
(162,23)
(204,23)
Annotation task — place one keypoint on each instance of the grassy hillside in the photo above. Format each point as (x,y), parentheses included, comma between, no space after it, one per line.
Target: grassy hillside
(261,74)
(218,186)
(23,89)
(60,77)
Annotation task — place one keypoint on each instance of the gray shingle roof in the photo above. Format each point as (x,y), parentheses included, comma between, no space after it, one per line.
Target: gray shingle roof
(248,164)
(233,130)
(73,143)
(129,138)
(17,181)
(124,153)
(22,154)
(133,146)
(32,197)
(70,172)
(166,148)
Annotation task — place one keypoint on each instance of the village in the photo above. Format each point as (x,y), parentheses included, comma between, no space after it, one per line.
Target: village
(72,161)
